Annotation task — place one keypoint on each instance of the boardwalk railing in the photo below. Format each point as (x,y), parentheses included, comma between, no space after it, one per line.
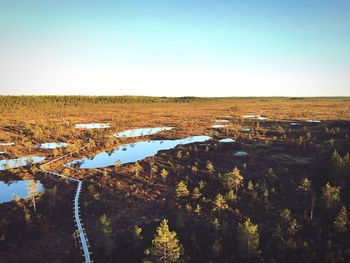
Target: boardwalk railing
(83,240)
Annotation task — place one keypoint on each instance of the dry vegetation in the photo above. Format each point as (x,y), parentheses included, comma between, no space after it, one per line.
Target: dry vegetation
(264,212)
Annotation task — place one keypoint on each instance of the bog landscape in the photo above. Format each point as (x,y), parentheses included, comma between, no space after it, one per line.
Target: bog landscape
(181,179)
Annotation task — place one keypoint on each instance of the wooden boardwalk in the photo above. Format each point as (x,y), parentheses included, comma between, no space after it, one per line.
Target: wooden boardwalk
(83,239)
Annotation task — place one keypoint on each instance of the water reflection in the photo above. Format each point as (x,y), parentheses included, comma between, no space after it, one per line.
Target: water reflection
(133,152)
(9,190)
(240,154)
(7,143)
(256,117)
(227,140)
(52,145)
(19,162)
(141,132)
(218,126)
(92,126)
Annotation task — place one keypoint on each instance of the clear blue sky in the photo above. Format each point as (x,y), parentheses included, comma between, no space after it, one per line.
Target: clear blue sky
(175,48)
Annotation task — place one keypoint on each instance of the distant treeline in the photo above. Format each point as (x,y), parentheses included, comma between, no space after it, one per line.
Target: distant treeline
(34,101)
(73,100)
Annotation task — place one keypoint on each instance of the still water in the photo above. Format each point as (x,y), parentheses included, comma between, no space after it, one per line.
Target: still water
(52,145)
(16,188)
(141,132)
(92,126)
(19,162)
(129,153)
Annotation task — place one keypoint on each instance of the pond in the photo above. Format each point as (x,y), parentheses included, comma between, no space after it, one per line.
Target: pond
(221,121)
(92,126)
(227,140)
(257,117)
(19,162)
(240,154)
(9,190)
(313,121)
(218,126)
(52,145)
(7,143)
(130,153)
(141,132)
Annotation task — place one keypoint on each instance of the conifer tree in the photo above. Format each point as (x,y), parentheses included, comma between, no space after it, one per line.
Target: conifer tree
(181,189)
(220,203)
(166,247)
(32,187)
(196,193)
(237,178)
(249,238)
(164,174)
(106,225)
(305,186)
(331,194)
(342,220)
(210,167)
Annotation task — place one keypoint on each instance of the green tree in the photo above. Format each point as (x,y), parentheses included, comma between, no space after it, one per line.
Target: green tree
(210,167)
(249,238)
(220,203)
(331,194)
(166,247)
(201,184)
(194,169)
(305,186)
(55,152)
(342,220)
(286,215)
(106,225)
(181,189)
(91,144)
(233,179)
(137,233)
(164,174)
(196,193)
(137,168)
(293,228)
(231,196)
(198,209)
(32,188)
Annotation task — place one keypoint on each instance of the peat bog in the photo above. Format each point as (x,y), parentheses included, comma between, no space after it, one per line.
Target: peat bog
(283,201)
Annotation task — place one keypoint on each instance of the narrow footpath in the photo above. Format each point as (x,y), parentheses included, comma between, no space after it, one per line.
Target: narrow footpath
(83,239)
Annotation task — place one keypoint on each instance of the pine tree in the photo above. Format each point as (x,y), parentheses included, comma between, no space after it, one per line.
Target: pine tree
(106,225)
(336,158)
(32,188)
(137,233)
(137,169)
(181,189)
(166,247)
(341,220)
(237,178)
(210,167)
(220,203)
(194,169)
(331,194)
(196,193)
(249,238)
(305,186)
(198,209)
(164,174)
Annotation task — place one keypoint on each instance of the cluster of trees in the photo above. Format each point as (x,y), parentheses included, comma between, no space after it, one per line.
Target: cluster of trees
(9,102)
